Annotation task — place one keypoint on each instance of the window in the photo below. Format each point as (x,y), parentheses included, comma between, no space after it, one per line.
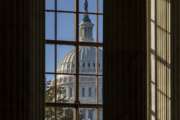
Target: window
(83,64)
(159,59)
(90,114)
(70,92)
(83,92)
(73,39)
(90,92)
(89,65)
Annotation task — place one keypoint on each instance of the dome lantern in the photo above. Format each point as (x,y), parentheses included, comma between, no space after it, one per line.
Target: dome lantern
(86,26)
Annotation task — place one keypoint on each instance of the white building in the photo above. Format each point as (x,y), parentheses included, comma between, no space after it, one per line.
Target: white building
(88,84)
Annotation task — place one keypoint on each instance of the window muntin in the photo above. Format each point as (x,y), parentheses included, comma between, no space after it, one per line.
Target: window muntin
(65,71)
(159,51)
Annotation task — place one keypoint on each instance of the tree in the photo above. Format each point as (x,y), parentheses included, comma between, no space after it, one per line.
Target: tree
(61,113)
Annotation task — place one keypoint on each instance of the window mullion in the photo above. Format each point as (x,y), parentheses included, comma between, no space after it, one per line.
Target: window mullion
(77,102)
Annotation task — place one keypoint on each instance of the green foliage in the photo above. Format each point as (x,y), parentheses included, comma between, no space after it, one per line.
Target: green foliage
(61,113)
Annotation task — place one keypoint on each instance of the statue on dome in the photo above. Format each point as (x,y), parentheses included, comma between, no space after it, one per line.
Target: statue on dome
(86,6)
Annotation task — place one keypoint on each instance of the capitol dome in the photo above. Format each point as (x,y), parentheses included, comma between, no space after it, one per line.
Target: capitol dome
(90,65)
(88,57)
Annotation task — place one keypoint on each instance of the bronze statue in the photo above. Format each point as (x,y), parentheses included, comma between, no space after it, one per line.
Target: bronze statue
(86,5)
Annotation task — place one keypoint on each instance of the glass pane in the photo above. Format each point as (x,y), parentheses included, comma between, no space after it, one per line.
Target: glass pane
(169,16)
(153,117)
(87,60)
(49,58)
(153,98)
(50,4)
(153,69)
(153,43)
(66,59)
(169,101)
(153,9)
(100,6)
(87,28)
(100,114)
(90,114)
(100,90)
(50,26)
(87,89)
(66,26)
(92,6)
(162,13)
(100,28)
(161,44)
(67,5)
(49,113)
(65,113)
(49,88)
(99,66)
(66,87)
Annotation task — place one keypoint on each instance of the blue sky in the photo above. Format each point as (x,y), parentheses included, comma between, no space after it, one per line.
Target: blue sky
(65,27)
(70,4)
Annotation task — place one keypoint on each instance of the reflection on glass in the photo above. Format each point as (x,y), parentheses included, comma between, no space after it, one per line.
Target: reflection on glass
(66,86)
(66,59)
(65,26)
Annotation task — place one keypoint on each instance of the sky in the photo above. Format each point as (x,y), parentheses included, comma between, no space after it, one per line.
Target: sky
(65,28)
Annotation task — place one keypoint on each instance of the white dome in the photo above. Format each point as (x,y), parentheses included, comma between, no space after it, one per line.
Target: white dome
(87,61)
(88,57)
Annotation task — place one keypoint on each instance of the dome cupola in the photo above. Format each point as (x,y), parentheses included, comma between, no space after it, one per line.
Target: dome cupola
(87,55)
(86,26)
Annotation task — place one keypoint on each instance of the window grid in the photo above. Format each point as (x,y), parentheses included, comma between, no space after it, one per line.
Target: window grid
(159,16)
(77,44)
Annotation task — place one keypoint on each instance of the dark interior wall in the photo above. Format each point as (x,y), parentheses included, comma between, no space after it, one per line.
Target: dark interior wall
(175,28)
(125,60)
(16,60)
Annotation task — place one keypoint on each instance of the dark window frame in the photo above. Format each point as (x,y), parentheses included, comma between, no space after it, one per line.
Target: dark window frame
(77,44)
(111,32)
